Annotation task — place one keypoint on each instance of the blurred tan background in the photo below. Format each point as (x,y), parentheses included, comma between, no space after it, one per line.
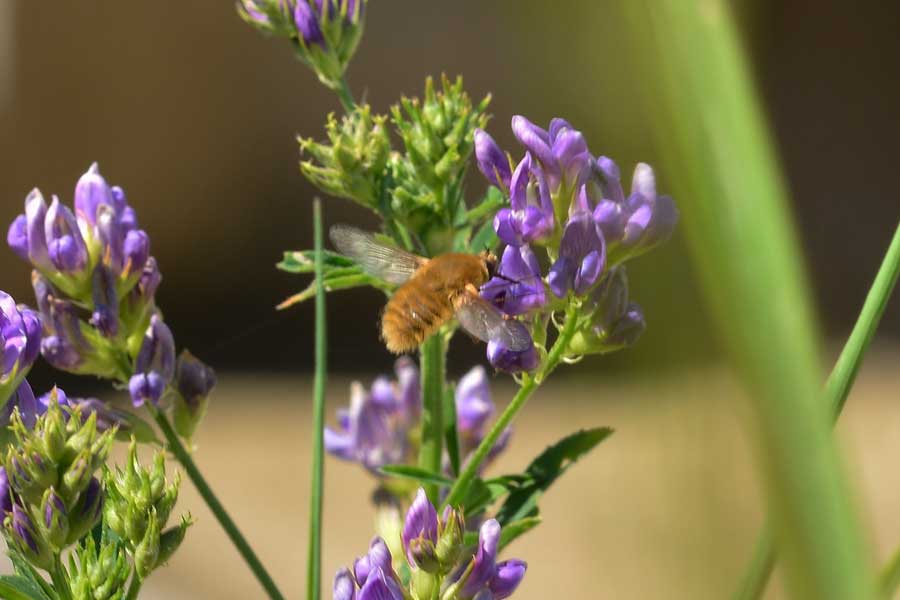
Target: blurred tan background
(195,115)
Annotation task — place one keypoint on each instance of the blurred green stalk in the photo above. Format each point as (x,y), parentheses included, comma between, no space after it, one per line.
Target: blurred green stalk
(314,558)
(837,388)
(722,167)
(431,365)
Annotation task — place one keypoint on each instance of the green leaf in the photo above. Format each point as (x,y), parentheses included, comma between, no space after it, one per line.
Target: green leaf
(303,261)
(451,439)
(485,238)
(509,533)
(546,469)
(330,285)
(24,569)
(481,494)
(416,473)
(16,587)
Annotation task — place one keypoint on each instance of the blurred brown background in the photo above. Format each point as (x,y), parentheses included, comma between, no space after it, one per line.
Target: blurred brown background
(195,115)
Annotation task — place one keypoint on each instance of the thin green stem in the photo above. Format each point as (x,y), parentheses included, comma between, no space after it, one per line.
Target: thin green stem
(314,558)
(529,384)
(837,388)
(181,454)
(60,579)
(890,577)
(432,356)
(134,587)
(345,95)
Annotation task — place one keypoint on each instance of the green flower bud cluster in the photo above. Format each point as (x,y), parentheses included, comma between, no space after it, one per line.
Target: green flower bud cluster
(139,503)
(53,498)
(99,573)
(437,135)
(352,163)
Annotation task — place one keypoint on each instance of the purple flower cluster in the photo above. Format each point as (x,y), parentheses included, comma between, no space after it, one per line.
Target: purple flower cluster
(434,547)
(564,199)
(94,282)
(377,428)
(306,17)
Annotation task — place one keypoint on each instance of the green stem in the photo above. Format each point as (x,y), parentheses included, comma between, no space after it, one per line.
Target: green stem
(529,384)
(432,368)
(890,577)
(60,579)
(344,95)
(837,388)
(234,534)
(134,587)
(314,559)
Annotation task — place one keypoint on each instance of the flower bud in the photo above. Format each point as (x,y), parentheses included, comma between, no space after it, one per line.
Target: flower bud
(87,511)
(21,531)
(194,381)
(491,160)
(344,586)
(82,434)
(105,317)
(53,432)
(155,364)
(66,247)
(29,473)
(91,192)
(78,476)
(35,217)
(99,575)
(55,523)
(421,523)
(6,494)
(450,539)
(171,539)
(146,551)
(423,555)
(511,361)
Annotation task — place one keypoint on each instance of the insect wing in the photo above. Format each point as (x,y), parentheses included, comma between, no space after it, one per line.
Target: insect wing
(483,320)
(379,260)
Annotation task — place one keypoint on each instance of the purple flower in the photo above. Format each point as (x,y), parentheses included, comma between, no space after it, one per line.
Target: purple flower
(561,151)
(582,257)
(485,566)
(155,364)
(511,361)
(375,430)
(65,347)
(378,557)
(20,338)
(30,408)
(306,18)
(344,585)
(643,220)
(65,244)
(491,160)
(372,574)
(474,408)
(22,399)
(105,316)
(530,215)
(26,233)
(508,577)
(194,379)
(92,192)
(517,287)
(6,494)
(379,587)
(421,524)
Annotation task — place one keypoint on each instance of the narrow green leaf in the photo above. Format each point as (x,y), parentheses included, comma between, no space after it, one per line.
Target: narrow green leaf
(303,261)
(331,285)
(419,474)
(451,438)
(482,494)
(16,587)
(24,569)
(546,469)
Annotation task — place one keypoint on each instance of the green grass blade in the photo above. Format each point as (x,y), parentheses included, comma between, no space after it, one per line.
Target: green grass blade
(838,386)
(720,162)
(432,358)
(314,559)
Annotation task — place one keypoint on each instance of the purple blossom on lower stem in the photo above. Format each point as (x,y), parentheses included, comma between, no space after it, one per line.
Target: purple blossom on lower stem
(503,358)
(372,577)
(31,407)
(378,428)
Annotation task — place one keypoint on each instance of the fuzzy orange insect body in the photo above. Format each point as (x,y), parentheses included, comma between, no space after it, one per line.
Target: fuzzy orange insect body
(429,299)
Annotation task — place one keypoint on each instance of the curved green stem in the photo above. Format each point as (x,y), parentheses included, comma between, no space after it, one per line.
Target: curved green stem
(345,95)
(890,577)
(432,368)
(135,587)
(314,557)
(837,388)
(175,447)
(529,384)
(60,579)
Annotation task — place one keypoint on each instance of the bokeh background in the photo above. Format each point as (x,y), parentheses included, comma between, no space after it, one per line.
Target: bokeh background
(195,115)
